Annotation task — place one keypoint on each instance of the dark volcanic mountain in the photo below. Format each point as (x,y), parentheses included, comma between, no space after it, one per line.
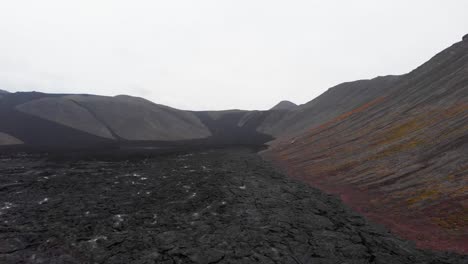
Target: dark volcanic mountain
(394,147)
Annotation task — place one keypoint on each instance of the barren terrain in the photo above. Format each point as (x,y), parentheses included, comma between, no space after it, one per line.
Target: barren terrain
(213,206)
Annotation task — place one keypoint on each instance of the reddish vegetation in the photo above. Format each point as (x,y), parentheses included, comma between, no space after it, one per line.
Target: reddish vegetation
(421,227)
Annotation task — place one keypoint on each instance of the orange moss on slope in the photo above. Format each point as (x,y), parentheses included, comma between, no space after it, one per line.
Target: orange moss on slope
(346,115)
(397,149)
(424,195)
(400,131)
(453,221)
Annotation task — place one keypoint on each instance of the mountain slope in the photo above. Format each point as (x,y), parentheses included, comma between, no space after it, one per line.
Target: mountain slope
(37,132)
(401,158)
(58,120)
(132,118)
(334,102)
(66,112)
(6,140)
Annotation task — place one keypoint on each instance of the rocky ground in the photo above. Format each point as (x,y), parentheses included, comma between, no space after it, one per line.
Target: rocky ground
(216,206)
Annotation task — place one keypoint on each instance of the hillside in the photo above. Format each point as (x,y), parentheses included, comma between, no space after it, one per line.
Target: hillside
(400,158)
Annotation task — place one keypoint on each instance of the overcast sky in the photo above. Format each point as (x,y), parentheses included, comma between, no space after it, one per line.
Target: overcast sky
(218,54)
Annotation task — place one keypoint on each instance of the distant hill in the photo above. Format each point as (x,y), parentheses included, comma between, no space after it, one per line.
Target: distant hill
(284,105)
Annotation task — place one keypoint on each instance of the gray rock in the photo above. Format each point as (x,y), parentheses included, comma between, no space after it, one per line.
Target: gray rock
(208,256)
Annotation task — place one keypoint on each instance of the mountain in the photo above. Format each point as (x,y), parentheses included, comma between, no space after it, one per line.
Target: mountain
(284,105)
(401,157)
(140,119)
(118,119)
(42,120)
(58,120)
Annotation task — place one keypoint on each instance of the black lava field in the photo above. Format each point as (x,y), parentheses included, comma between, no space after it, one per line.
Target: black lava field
(213,206)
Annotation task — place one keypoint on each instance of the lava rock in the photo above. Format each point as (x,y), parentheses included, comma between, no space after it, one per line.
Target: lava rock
(171,209)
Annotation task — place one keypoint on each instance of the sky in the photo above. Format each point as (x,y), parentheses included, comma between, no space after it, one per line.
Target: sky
(218,54)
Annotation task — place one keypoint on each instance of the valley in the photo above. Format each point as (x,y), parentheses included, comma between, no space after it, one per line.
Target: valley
(393,148)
